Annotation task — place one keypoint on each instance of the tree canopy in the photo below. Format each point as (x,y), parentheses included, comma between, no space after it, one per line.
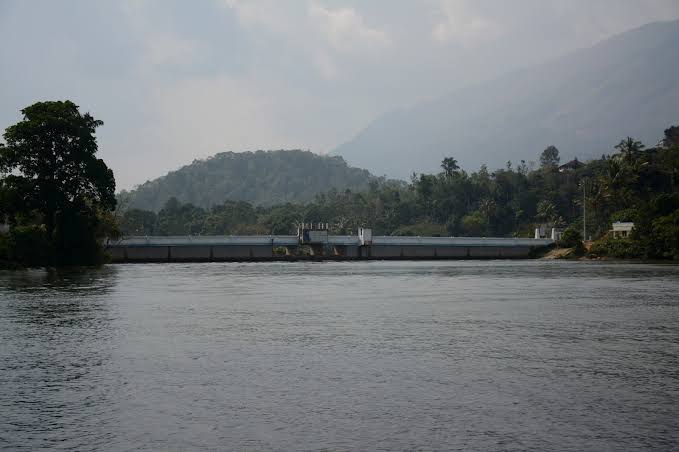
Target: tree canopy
(449,166)
(261,178)
(549,159)
(52,177)
(507,202)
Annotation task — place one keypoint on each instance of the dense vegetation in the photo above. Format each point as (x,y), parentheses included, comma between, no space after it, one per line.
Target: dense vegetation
(631,184)
(56,196)
(260,178)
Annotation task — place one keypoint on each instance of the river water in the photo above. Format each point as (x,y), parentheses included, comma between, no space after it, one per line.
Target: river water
(463,355)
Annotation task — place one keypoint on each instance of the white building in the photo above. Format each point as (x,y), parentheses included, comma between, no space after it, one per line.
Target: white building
(622,229)
(545,232)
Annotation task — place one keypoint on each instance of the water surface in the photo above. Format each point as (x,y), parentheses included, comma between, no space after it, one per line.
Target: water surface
(465,355)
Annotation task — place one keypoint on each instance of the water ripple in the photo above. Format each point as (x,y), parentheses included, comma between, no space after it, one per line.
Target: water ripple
(493,355)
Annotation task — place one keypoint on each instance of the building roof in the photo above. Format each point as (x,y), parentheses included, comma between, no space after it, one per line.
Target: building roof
(573,164)
(623,226)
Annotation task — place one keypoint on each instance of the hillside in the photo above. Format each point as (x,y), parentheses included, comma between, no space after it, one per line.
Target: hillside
(582,103)
(262,177)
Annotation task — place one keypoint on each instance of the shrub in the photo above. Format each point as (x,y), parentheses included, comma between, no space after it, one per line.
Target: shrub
(475,224)
(4,248)
(75,239)
(623,248)
(624,215)
(570,238)
(280,251)
(28,246)
(665,236)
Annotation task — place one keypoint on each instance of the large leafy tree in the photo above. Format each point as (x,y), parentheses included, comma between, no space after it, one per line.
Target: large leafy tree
(549,159)
(50,162)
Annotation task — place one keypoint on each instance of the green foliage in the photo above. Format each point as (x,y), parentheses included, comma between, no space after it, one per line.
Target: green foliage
(138,222)
(4,250)
(475,224)
(449,166)
(664,204)
(547,212)
(424,229)
(571,238)
(56,194)
(664,237)
(49,157)
(618,248)
(549,159)
(280,251)
(179,219)
(28,246)
(260,178)
(58,198)
(671,137)
(631,185)
(629,150)
(75,241)
(235,217)
(624,215)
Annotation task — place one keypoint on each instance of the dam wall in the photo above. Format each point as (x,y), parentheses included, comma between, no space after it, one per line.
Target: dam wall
(288,248)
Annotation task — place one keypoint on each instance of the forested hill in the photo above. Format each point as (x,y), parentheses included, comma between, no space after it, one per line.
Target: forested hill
(261,177)
(626,85)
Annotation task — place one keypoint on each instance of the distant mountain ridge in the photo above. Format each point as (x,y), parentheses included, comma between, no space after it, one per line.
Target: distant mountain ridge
(583,103)
(261,177)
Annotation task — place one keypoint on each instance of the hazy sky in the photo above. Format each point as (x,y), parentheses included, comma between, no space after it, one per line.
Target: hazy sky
(178,80)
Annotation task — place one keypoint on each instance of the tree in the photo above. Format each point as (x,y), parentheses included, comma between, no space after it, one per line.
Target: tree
(546,212)
(549,159)
(424,186)
(571,238)
(49,162)
(671,137)
(138,222)
(475,224)
(629,150)
(449,166)
(487,208)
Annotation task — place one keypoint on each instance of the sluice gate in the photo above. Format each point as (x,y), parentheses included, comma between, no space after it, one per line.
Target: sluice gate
(318,246)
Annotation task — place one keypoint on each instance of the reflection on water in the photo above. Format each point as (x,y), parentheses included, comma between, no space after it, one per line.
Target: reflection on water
(56,335)
(511,355)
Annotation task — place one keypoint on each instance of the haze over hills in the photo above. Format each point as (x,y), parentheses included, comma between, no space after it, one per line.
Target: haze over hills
(262,177)
(583,103)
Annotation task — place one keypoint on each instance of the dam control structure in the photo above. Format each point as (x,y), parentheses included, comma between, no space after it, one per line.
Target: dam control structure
(313,242)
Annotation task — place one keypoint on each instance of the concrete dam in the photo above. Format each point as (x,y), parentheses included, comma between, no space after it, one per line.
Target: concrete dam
(316,244)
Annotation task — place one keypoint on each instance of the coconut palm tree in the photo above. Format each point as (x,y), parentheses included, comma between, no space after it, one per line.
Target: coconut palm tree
(629,150)
(449,166)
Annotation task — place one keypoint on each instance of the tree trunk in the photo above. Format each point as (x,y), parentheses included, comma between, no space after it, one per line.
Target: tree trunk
(50,224)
